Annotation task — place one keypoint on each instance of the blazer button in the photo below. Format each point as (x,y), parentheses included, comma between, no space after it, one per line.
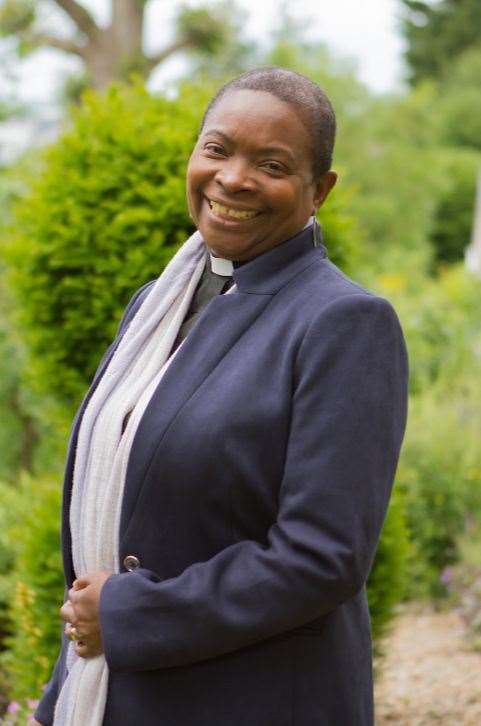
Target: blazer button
(131,563)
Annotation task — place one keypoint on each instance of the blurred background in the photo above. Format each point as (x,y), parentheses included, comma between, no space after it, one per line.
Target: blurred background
(99,107)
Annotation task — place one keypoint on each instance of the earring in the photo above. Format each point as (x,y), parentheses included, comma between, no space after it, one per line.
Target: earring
(316,234)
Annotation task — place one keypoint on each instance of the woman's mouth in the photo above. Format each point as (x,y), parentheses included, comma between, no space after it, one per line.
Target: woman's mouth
(220,210)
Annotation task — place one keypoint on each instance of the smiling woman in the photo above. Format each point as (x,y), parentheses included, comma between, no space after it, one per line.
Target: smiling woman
(250,182)
(253,179)
(229,469)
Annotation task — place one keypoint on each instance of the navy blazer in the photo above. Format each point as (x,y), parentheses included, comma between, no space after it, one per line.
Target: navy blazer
(255,494)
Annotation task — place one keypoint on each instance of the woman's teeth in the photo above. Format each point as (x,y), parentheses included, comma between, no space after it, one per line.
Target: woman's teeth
(228,212)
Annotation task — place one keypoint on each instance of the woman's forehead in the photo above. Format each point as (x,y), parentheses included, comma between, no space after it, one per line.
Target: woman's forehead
(257,118)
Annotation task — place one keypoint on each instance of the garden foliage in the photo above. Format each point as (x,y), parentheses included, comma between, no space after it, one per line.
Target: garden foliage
(387,583)
(440,466)
(32,581)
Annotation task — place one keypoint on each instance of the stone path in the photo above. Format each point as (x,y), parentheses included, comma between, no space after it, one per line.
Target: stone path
(429,675)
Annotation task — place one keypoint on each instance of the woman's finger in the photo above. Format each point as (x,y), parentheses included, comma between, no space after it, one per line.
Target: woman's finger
(73,592)
(81,582)
(82,649)
(67,613)
(74,632)
(87,650)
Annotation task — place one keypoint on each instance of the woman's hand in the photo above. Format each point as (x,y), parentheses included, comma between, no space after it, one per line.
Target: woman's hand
(81,613)
(34,723)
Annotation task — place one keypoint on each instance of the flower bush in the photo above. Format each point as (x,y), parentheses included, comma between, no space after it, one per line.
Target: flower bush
(19,714)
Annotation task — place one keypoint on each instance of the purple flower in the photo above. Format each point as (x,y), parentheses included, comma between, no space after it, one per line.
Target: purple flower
(13,707)
(446,575)
(32,704)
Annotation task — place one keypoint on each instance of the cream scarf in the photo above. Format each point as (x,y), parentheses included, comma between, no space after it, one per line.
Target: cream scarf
(102,454)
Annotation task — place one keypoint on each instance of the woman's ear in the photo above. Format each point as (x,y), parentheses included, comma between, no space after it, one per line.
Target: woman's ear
(323,187)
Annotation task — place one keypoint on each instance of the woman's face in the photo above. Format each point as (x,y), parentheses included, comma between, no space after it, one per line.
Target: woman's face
(249,179)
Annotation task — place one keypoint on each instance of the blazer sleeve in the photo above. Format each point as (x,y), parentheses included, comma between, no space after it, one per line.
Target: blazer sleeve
(347,423)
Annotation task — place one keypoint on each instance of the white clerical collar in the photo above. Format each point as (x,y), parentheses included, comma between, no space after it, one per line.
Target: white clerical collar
(226,267)
(221,266)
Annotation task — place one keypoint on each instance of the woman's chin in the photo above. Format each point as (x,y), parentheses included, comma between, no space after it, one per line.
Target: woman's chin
(229,242)
(225,251)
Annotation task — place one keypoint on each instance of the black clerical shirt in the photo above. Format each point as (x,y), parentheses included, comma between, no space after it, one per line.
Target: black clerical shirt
(209,285)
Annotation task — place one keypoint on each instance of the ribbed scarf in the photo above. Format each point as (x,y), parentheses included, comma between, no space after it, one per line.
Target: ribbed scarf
(102,455)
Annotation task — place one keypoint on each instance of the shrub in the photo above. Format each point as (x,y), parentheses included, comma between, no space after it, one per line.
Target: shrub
(453,217)
(35,586)
(105,215)
(440,472)
(440,466)
(440,318)
(8,515)
(386,585)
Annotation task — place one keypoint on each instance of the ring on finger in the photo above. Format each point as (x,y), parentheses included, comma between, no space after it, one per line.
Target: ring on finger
(73,634)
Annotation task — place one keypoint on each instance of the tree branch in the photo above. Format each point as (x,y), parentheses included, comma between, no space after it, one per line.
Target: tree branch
(154,60)
(39,40)
(80,15)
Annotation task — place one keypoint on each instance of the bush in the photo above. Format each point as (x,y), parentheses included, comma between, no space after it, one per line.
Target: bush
(33,584)
(8,514)
(454,213)
(440,319)
(104,216)
(440,473)
(440,466)
(386,585)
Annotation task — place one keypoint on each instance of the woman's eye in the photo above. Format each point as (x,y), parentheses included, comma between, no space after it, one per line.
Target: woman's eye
(273,166)
(214,148)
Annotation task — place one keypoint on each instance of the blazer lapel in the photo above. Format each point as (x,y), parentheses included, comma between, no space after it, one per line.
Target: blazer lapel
(222,322)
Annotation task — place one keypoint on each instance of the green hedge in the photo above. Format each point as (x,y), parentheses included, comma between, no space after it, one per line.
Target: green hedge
(104,216)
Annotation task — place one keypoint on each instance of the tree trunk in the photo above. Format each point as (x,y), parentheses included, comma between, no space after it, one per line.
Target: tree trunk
(127,27)
(117,50)
(99,59)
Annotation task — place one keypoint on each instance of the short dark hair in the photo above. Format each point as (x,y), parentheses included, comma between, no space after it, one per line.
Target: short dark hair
(310,101)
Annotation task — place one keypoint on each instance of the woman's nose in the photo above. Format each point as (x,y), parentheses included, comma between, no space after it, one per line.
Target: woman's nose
(234,175)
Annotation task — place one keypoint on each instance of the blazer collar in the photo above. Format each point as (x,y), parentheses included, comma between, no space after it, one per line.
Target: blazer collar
(269,272)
